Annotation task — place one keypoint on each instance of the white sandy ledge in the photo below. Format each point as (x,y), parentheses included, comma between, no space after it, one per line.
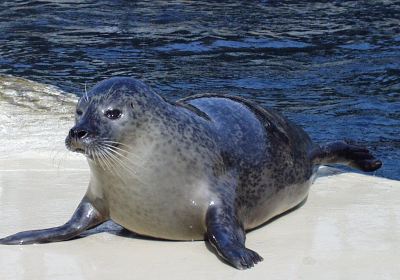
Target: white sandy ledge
(348,229)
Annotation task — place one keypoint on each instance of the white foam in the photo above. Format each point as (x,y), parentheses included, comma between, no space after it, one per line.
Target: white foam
(34,117)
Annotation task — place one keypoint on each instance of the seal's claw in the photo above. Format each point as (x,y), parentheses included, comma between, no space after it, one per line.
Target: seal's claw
(369,165)
(361,158)
(241,257)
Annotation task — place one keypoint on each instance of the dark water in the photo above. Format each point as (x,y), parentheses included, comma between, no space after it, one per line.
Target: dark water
(331,66)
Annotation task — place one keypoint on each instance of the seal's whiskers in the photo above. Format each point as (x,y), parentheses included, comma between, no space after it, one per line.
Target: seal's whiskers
(86,94)
(112,166)
(119,151)
(96,158)
(111,156)
(115,164)
(108,94)
(113,143)
(106,161)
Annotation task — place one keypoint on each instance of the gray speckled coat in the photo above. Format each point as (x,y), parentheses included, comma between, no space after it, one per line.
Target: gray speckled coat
(202,150)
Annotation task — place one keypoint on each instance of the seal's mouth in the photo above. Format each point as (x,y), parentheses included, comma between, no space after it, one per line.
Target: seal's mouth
(79,150)
(77,145)
(80,139)
(110,155)
(92,147)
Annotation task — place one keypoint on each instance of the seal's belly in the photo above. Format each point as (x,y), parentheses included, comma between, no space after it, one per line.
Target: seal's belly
(169,211)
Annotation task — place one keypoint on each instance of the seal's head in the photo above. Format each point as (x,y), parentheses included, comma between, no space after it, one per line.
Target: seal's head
(103,114)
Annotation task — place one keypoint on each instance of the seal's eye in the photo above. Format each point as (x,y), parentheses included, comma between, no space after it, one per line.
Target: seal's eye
(79,112)
(113,114)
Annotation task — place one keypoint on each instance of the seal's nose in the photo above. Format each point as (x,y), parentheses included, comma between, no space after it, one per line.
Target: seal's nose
(78,133)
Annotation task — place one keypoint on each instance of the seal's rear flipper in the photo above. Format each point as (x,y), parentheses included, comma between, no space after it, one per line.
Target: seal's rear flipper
(342,152)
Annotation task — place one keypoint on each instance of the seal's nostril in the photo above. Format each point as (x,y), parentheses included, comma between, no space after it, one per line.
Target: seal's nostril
(78,133)
(81,134)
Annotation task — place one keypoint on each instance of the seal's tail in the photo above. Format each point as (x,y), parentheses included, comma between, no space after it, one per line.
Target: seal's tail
(342,152)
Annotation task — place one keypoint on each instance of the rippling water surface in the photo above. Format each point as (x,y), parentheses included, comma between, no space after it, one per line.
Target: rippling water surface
(331,66)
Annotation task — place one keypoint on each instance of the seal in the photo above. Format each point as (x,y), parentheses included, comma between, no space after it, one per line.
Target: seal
(205,167)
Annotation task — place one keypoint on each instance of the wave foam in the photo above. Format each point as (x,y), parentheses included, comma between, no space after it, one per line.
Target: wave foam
(34,117)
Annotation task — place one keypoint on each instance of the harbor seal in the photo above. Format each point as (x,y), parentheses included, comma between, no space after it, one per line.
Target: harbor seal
(205,167)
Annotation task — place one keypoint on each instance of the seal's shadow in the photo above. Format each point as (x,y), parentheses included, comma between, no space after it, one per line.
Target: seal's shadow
(115,229)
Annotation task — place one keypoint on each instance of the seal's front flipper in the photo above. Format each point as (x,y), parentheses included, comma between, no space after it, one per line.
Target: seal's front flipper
(344,153)
(85,217)
(228,238)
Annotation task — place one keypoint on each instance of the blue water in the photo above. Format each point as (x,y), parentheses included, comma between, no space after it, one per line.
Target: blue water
(331,66)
